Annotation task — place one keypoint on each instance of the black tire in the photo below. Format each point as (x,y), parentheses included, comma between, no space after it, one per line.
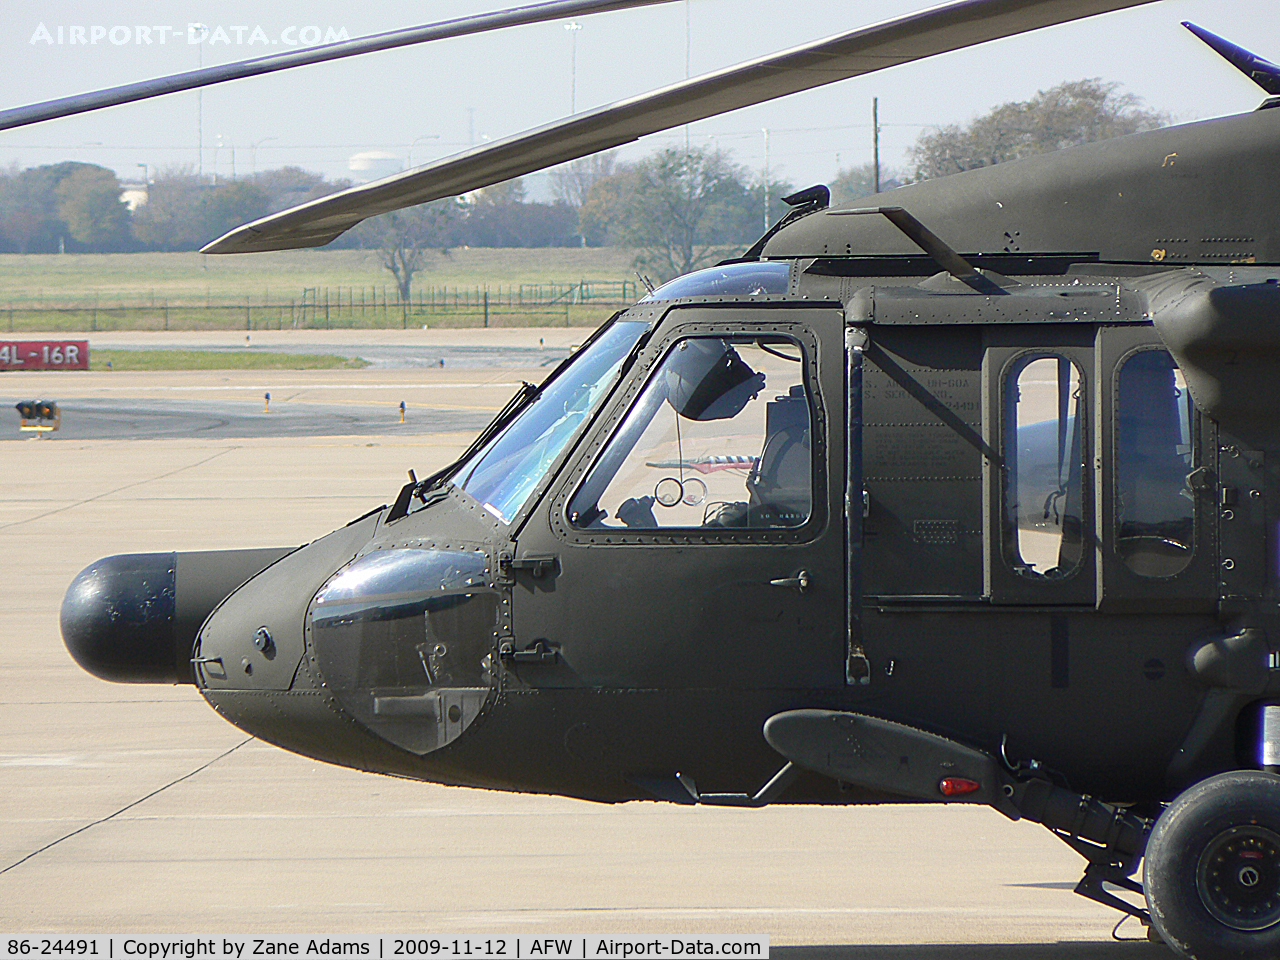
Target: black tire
(1212,874)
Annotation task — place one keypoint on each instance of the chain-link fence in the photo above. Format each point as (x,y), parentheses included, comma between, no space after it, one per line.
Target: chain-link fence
(337,307)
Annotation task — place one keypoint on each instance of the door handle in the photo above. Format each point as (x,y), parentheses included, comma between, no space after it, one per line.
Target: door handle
(800,581)
(540,652)
(536,567)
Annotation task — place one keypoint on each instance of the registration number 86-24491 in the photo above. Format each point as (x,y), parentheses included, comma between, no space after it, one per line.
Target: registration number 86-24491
(68,947)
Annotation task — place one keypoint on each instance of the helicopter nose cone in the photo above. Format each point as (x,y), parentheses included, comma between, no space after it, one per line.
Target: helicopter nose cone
(117,619)
(133,618)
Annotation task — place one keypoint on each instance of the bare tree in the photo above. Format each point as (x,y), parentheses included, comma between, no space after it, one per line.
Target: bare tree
(572,182)
(1081,111)
(401,252)
(171,219)
(403,238)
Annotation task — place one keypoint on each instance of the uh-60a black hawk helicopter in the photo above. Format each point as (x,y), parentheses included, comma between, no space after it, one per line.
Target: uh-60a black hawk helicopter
(965,493)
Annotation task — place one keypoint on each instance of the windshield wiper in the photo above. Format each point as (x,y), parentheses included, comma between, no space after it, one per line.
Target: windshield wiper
(432,488)
(522,398)
(422,489)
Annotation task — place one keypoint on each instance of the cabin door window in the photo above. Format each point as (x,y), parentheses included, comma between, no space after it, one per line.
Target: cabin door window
(1154,451)
(1043,469)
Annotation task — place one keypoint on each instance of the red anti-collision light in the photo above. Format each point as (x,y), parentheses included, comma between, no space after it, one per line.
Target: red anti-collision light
(958,786)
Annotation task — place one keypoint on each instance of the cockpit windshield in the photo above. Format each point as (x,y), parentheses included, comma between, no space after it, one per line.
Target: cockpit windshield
(505,471)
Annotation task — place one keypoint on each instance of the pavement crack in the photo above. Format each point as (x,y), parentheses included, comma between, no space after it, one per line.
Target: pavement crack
(127,806)
(107,493)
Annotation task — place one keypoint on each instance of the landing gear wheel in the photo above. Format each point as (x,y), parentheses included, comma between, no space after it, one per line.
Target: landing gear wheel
(1212,874)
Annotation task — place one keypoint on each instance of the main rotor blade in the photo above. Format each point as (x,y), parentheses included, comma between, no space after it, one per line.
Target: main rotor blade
(461,27)
(949,26)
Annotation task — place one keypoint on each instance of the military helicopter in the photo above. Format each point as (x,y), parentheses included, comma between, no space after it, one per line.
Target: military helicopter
(966,493)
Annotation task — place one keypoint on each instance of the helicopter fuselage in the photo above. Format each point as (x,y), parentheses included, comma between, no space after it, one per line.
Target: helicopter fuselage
(961,566)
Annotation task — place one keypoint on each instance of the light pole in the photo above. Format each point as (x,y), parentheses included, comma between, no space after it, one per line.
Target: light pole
(875,135)
(429,136)
(253,154)
(217,145)
(766,179)
(195,34)
(688,48)
(573,27)
(146,174)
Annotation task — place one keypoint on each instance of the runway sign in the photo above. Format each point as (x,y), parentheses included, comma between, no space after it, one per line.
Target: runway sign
(44,355)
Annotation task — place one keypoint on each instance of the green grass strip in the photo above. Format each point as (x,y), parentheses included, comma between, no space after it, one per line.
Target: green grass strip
(218,360)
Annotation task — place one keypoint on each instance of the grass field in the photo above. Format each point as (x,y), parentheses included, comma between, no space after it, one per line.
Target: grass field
(194,277)
(327,289)
(217,360)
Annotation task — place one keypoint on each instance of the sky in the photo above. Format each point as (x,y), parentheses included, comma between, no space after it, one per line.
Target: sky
(430,101)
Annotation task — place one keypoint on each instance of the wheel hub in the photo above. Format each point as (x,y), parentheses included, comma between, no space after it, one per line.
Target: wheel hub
(1238,878)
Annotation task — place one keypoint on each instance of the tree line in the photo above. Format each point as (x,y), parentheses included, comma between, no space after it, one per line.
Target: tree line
(678,209)
(80,208)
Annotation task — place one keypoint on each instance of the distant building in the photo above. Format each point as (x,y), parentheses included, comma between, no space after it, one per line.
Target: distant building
(373,165)
(133,193)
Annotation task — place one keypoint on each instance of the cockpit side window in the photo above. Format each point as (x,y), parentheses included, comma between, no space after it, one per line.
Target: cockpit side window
(1043,450)
(1154,453)
(720,438)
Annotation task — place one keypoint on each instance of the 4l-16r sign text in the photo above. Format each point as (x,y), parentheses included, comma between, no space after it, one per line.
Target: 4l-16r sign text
(45,355)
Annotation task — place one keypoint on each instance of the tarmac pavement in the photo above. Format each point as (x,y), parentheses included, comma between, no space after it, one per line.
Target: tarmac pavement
(137,809)
(232,404)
